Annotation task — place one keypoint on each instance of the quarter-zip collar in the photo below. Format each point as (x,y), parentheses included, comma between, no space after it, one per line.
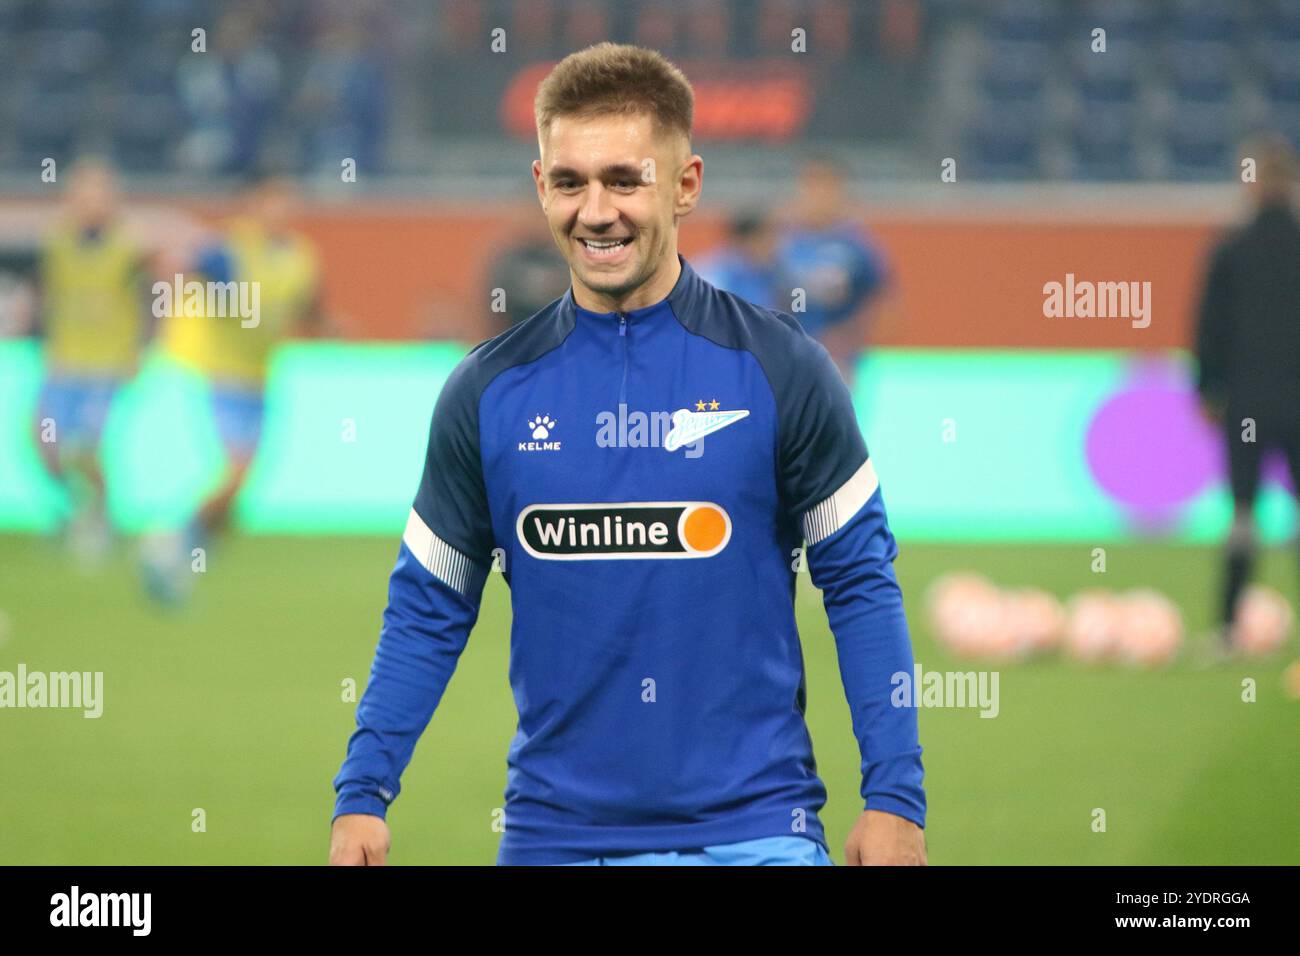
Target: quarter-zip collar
(685,287)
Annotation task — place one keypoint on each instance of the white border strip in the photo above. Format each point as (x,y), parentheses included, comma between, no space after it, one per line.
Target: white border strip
(440,559)
(824,519)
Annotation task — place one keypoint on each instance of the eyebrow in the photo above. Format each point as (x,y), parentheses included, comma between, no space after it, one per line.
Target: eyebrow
(615,171)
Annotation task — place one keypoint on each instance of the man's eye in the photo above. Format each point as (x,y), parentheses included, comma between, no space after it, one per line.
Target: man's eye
(626,184)
(566,184)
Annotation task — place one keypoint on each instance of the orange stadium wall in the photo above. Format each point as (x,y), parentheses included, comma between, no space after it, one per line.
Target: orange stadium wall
(420,269)
(960,283)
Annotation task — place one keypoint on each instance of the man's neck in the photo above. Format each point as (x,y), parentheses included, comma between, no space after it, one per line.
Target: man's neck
(655,289)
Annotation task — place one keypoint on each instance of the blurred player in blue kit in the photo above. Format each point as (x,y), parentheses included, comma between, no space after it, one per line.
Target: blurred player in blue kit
(820,265)
(833,259)
(746,263)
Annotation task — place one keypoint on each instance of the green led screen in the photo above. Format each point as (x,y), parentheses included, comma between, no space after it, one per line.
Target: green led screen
(969,445)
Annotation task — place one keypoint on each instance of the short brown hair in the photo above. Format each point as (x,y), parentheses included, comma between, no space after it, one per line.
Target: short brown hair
(618,79)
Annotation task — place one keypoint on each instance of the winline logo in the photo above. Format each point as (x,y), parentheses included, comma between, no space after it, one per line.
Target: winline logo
(625,529)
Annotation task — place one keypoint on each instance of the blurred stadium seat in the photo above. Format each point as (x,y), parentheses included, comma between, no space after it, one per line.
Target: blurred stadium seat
(324,78)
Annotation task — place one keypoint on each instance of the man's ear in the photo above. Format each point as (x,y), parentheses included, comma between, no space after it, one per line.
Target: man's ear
(539,182)
(689,185)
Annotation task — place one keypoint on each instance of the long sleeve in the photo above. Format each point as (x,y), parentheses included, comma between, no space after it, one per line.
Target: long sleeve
(830,483)
(433,601)
(425,627)
(1214,328)
(853,568)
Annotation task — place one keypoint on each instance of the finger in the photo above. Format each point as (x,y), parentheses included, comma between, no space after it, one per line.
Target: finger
(851,855)
(345,855)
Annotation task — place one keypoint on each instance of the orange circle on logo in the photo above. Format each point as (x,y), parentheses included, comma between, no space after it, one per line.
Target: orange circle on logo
(705,528)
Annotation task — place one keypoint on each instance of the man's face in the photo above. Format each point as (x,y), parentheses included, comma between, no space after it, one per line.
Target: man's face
(612,191)
(1274,172)
(273,204)
(92,196)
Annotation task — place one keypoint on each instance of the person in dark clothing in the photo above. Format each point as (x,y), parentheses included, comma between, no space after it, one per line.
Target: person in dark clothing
(530,276)
(1248,349)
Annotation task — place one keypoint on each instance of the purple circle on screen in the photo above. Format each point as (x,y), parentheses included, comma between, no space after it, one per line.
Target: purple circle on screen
(1148,447)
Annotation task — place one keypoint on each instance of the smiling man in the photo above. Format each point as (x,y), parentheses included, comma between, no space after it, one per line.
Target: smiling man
(655,662)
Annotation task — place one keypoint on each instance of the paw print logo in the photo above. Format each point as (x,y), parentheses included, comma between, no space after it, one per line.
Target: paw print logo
(541,426)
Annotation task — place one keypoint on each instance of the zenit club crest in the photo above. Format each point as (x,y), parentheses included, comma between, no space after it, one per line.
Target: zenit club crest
(624,529)
(690,426)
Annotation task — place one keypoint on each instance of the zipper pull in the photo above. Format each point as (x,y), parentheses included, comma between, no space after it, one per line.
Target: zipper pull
(622,324)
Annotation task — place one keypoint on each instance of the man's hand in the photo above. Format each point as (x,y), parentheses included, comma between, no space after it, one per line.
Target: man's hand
(885,839)
(359,839)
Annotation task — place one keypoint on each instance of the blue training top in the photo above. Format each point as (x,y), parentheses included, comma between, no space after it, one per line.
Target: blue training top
(839,269)
(646,480)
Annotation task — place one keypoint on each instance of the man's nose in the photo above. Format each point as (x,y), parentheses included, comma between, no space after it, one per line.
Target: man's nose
(597,210)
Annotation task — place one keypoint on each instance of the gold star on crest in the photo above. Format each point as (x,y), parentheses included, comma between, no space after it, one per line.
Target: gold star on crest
(699,406)
(713,405)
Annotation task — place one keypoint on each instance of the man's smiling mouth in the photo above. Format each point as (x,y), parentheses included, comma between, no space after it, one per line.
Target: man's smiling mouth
(605,243)
(604,247)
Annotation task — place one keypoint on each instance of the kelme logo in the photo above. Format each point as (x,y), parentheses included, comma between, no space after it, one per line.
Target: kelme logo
(624,529)
(540,428)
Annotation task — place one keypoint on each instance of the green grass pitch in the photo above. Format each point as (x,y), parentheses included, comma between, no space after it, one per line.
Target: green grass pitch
(234,706)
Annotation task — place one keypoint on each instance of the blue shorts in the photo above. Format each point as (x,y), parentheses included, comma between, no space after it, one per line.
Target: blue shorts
(767,851)
(238,411)
(78,405)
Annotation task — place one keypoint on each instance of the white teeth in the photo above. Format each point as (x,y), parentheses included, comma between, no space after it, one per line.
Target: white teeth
(604,248)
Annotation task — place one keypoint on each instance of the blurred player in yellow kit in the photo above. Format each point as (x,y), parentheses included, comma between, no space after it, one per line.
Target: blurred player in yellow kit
(94,324)
(268,278)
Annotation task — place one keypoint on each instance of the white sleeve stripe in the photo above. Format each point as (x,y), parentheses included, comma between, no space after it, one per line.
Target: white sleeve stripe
(452,567)
(824,519)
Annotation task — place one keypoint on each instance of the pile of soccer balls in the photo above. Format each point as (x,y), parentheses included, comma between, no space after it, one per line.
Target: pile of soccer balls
(975,619)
